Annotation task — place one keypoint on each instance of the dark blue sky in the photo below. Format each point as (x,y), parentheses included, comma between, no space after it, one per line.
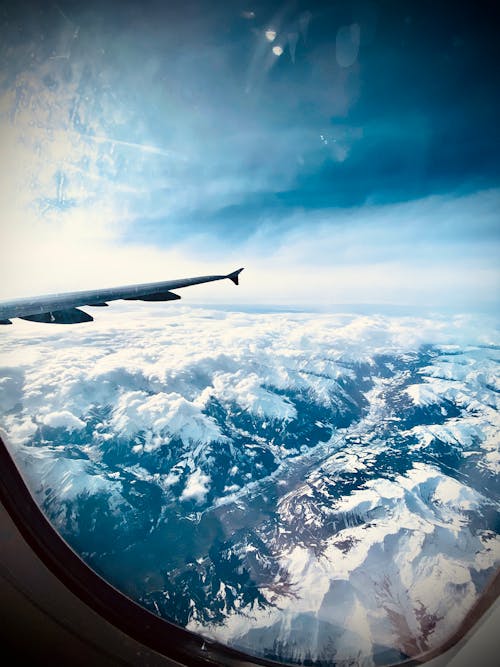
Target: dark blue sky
(225,125)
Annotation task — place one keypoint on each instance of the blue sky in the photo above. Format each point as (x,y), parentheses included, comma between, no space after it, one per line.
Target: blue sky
(340,151)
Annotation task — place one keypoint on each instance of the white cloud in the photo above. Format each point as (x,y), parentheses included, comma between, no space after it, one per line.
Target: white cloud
(196,487)
(249,394)
(157,367)
(170,415)
(63,419)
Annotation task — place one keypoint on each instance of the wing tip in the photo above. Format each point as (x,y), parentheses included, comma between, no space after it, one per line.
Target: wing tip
(234,276)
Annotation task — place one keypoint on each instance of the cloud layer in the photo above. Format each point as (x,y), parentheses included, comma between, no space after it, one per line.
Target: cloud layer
(303,469)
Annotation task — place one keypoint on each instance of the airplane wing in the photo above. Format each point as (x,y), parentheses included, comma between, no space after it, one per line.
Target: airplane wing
(64,308)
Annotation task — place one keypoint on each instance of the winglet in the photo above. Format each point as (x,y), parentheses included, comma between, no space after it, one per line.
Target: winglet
(234,276)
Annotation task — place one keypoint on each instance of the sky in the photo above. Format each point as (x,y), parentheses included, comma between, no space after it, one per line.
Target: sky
(342,152)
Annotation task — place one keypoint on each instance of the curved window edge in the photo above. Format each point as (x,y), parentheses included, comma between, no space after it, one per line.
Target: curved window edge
(153,632)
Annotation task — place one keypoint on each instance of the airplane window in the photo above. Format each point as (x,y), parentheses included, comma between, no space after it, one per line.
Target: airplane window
(303,465)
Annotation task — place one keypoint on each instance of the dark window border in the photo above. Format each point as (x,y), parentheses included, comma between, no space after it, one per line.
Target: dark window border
(158,634)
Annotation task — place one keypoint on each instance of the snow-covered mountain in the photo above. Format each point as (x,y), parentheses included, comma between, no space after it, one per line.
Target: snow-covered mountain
(302,486)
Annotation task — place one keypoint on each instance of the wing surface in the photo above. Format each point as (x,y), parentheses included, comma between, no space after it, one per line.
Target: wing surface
(64,308)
